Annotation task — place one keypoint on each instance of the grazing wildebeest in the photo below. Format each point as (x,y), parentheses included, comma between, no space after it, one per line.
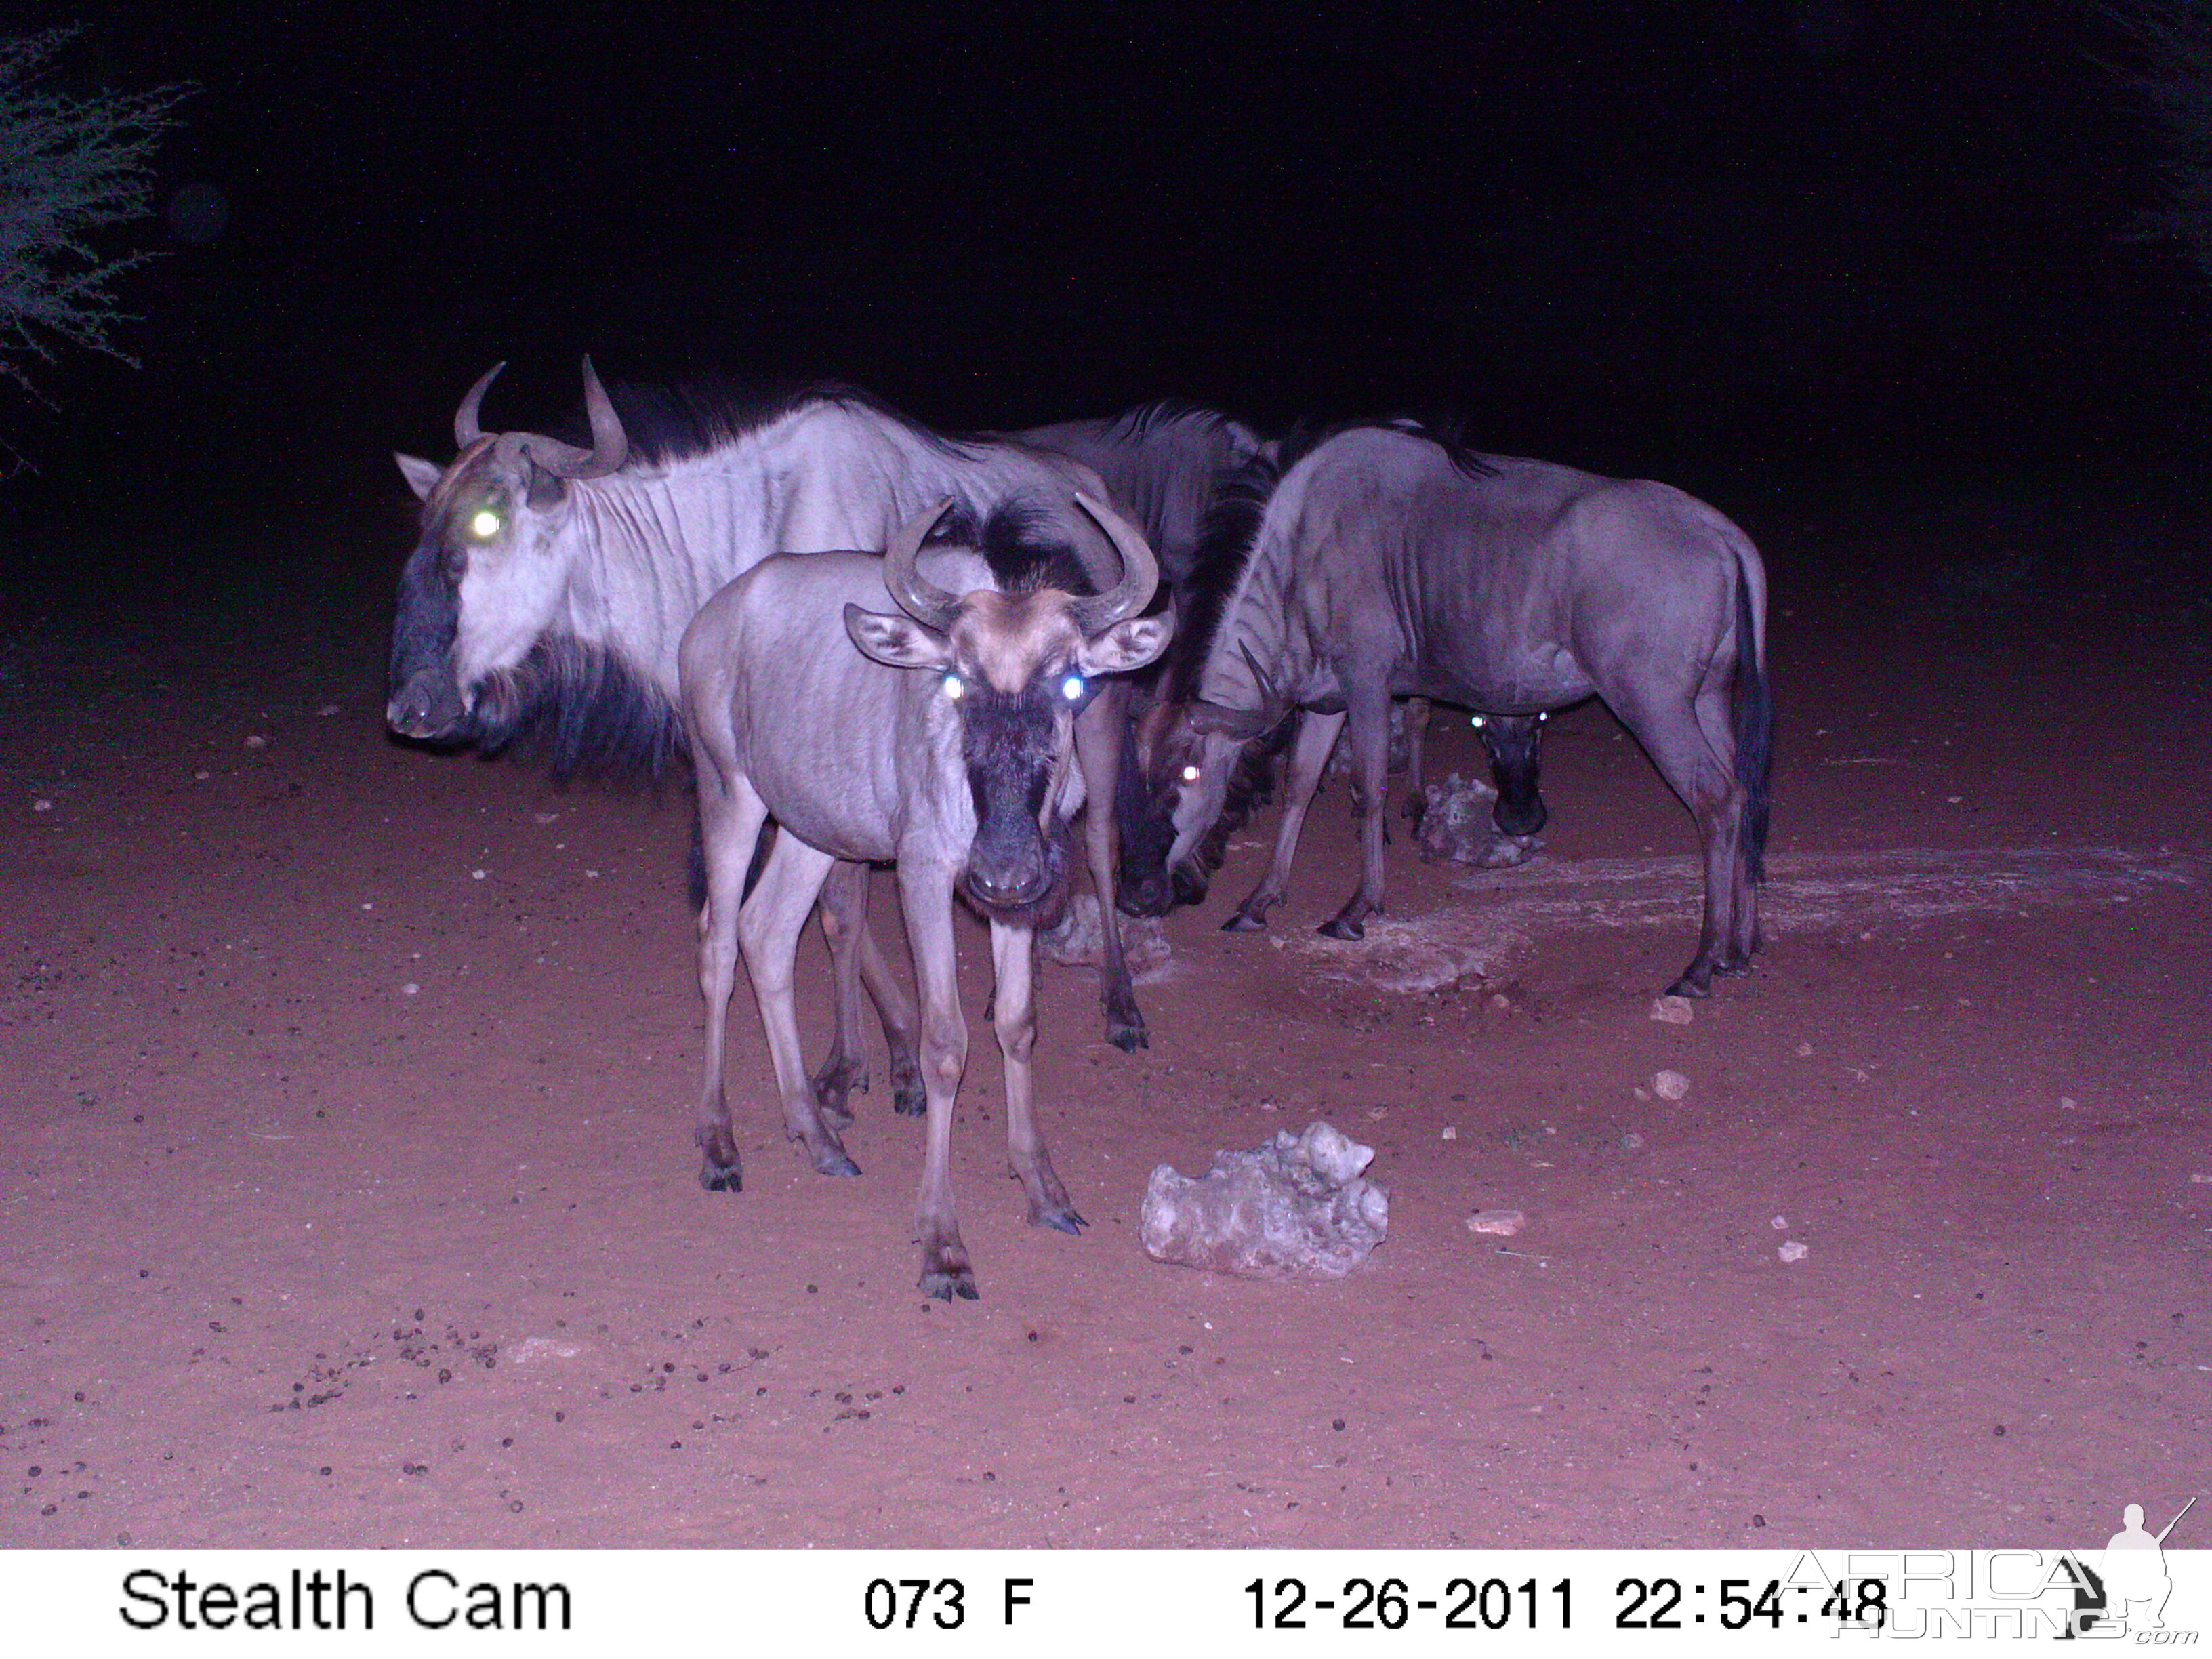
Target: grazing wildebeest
(941,744)
(1386,562)
(551,583)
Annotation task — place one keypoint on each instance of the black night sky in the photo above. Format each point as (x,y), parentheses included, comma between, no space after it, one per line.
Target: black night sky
(1756,248)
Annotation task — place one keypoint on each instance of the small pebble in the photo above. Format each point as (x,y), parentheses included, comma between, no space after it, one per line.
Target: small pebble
(1632,1142)
(327,710)
(2201,1180)
(2067,1104)
(1673,1010)
(1670,1085)
(409,989)
(1779,1224)
(256,741)
(1791,1250)
(1503,1223)
(475,875)
(1451,1133)
(1267,1103)
(48,806)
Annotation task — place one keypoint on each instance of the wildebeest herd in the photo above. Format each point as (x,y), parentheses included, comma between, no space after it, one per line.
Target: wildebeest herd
(937,652)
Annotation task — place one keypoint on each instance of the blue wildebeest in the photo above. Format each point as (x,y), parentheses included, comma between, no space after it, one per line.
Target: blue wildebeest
(941,744)
(1164,464)
(1385,562)
(551,583)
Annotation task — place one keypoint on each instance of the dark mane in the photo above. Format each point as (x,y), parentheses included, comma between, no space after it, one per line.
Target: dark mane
(586,711)
(1224,548)
(1446,434)
(679,420)
(1017,540)
(1141,422)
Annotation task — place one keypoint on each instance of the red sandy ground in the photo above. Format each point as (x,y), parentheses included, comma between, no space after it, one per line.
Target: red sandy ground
(350,1198)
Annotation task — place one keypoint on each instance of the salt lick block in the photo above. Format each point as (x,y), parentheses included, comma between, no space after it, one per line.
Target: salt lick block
(1294,1206)
(1457,826)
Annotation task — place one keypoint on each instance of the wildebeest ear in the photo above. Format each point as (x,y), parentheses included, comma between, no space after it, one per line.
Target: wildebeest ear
(1127,645)
(421,475)
(897,641)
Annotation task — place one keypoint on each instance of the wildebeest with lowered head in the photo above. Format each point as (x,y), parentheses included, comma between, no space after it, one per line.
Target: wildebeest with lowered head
(1387,564)
(938,739)
(551,583)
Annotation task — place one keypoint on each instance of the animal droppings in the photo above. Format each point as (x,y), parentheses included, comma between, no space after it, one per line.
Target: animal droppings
(1295,1205)
(1502,1223)
(1456,827)
(1673,1010)
(1791,1250)
(1670,1085)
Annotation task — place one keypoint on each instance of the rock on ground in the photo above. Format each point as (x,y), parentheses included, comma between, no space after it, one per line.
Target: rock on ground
(1078,941)
(1295,1204)
(1457,826)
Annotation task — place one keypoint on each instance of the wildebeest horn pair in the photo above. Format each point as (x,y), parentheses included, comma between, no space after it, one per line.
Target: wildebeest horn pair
(933,608)
(609,444)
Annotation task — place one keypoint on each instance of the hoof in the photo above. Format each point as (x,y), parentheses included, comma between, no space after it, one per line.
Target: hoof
(1128,1038)
(1245,921)
(833,1161)
(910,1101)
(1342,927)
(721,1178)
(1693,983)
(945,1283)
(834,1088)
(1062,1218)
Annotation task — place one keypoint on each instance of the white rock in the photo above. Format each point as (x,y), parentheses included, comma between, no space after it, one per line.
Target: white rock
(1451,1133)
(536,1350)
(1673,1010)
(256,741)
(1502,1223)
(1670,1085)
(1791,1250)
(48,806)
(1780,1223)
(1295,1205)
(1804,1051)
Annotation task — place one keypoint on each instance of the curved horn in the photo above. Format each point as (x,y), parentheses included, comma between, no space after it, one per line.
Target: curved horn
(610,443)
(1140,572)
(1260,682)
(466,428)
(920,598)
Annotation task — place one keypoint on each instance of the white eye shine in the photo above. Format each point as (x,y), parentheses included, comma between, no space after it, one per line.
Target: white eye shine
(1071,688)
(955,687)
(484,525)
(1190,774)
(1478,722)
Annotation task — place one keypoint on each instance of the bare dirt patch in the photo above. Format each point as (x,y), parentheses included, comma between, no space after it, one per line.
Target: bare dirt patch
(346,1194)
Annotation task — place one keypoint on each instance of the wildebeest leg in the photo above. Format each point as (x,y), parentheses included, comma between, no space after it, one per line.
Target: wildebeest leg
(1012,959)
(1317,737)
(901,1023)
(1741,940)
(1417,732)
(844,923)
(1368,707)
(926,894)
(857,961)
(768,927)
(1672,734)
(730,816)
(1098,751)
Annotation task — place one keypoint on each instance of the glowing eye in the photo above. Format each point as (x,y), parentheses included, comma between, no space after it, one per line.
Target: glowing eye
(955,687)
(1540,719)
(1477,722)
(1190,774)
(484,525)
(1071,688)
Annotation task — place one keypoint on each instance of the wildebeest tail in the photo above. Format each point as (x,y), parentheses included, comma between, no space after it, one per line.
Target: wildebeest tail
(1752,711)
